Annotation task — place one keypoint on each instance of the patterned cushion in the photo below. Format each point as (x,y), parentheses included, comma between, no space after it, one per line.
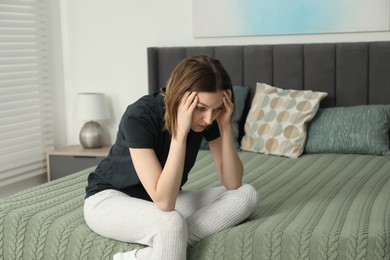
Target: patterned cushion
(277,120)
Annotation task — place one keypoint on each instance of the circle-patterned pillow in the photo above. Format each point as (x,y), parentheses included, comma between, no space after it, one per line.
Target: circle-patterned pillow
(276,123)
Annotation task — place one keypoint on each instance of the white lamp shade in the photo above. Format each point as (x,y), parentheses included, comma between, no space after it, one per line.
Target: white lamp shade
(91,106)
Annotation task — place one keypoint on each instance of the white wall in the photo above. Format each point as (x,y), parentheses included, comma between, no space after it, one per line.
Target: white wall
(104,50)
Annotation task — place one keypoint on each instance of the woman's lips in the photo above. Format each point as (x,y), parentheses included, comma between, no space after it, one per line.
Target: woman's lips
(202,127)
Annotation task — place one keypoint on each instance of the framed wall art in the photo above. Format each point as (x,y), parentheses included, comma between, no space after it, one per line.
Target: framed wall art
(219,18)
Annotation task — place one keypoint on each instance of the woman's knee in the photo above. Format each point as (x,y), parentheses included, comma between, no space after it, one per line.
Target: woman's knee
(171,222)
(249,196)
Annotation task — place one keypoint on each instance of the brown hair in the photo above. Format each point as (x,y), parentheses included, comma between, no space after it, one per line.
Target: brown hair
(198,73)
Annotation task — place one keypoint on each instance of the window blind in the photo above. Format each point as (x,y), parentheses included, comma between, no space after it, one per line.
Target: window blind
(25,100)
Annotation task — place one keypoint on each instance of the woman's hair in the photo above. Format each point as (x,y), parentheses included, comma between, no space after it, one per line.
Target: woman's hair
(198,73)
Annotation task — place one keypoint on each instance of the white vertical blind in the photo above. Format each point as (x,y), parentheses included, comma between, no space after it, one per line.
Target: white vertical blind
(25,108)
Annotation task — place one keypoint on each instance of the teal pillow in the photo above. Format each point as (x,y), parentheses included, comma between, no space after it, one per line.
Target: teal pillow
(356,130)
(240,97)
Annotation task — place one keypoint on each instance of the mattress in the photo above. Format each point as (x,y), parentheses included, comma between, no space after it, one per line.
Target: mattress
(319,206)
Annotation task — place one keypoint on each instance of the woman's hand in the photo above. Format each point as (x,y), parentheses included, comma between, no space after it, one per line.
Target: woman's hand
(225,117)
(184,113)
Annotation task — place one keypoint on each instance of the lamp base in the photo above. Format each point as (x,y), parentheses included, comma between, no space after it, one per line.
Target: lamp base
(91,135)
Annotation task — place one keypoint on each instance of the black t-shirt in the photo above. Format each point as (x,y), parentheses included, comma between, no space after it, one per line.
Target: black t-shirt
(142,126)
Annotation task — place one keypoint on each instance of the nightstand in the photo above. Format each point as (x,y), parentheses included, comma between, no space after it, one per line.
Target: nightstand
(71,159)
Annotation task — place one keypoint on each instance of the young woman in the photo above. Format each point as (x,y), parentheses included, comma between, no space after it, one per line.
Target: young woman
(135,193)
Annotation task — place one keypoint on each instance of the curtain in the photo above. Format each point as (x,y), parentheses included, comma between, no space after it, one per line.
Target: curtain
(25,100)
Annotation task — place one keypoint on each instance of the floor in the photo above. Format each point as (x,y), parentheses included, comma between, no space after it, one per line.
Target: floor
(8,190)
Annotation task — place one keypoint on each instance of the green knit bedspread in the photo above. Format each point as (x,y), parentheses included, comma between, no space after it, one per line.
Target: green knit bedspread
(315,207)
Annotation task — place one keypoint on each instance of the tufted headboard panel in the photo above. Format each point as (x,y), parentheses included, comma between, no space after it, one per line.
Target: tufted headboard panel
(351,73)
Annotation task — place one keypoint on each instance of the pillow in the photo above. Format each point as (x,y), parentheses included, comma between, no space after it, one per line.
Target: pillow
(240,96)
(358,129)
(277,120)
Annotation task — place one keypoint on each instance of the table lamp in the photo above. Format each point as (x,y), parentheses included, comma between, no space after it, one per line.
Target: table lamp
(91,107)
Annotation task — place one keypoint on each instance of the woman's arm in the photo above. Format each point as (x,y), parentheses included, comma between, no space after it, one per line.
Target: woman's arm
(228,164)
(163,185)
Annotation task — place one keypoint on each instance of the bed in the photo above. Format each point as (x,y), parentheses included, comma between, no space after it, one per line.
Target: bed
(329,201)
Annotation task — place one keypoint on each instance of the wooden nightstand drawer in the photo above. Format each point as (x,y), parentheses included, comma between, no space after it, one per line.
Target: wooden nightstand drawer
(72,159)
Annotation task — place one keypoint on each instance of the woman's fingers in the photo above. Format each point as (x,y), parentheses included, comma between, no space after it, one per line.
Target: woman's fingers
(185,110)
(225,116)
(193,100)
(228,98)
(189,98)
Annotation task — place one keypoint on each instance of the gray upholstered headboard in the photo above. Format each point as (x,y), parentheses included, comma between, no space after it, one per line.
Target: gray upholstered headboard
(351,73)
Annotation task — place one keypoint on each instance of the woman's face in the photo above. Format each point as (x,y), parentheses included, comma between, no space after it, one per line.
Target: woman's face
(208,108)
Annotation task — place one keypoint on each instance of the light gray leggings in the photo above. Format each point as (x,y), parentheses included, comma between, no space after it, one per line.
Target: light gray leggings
(197,215)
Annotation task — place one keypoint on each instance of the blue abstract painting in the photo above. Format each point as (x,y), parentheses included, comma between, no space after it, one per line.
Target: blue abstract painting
(214,18)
